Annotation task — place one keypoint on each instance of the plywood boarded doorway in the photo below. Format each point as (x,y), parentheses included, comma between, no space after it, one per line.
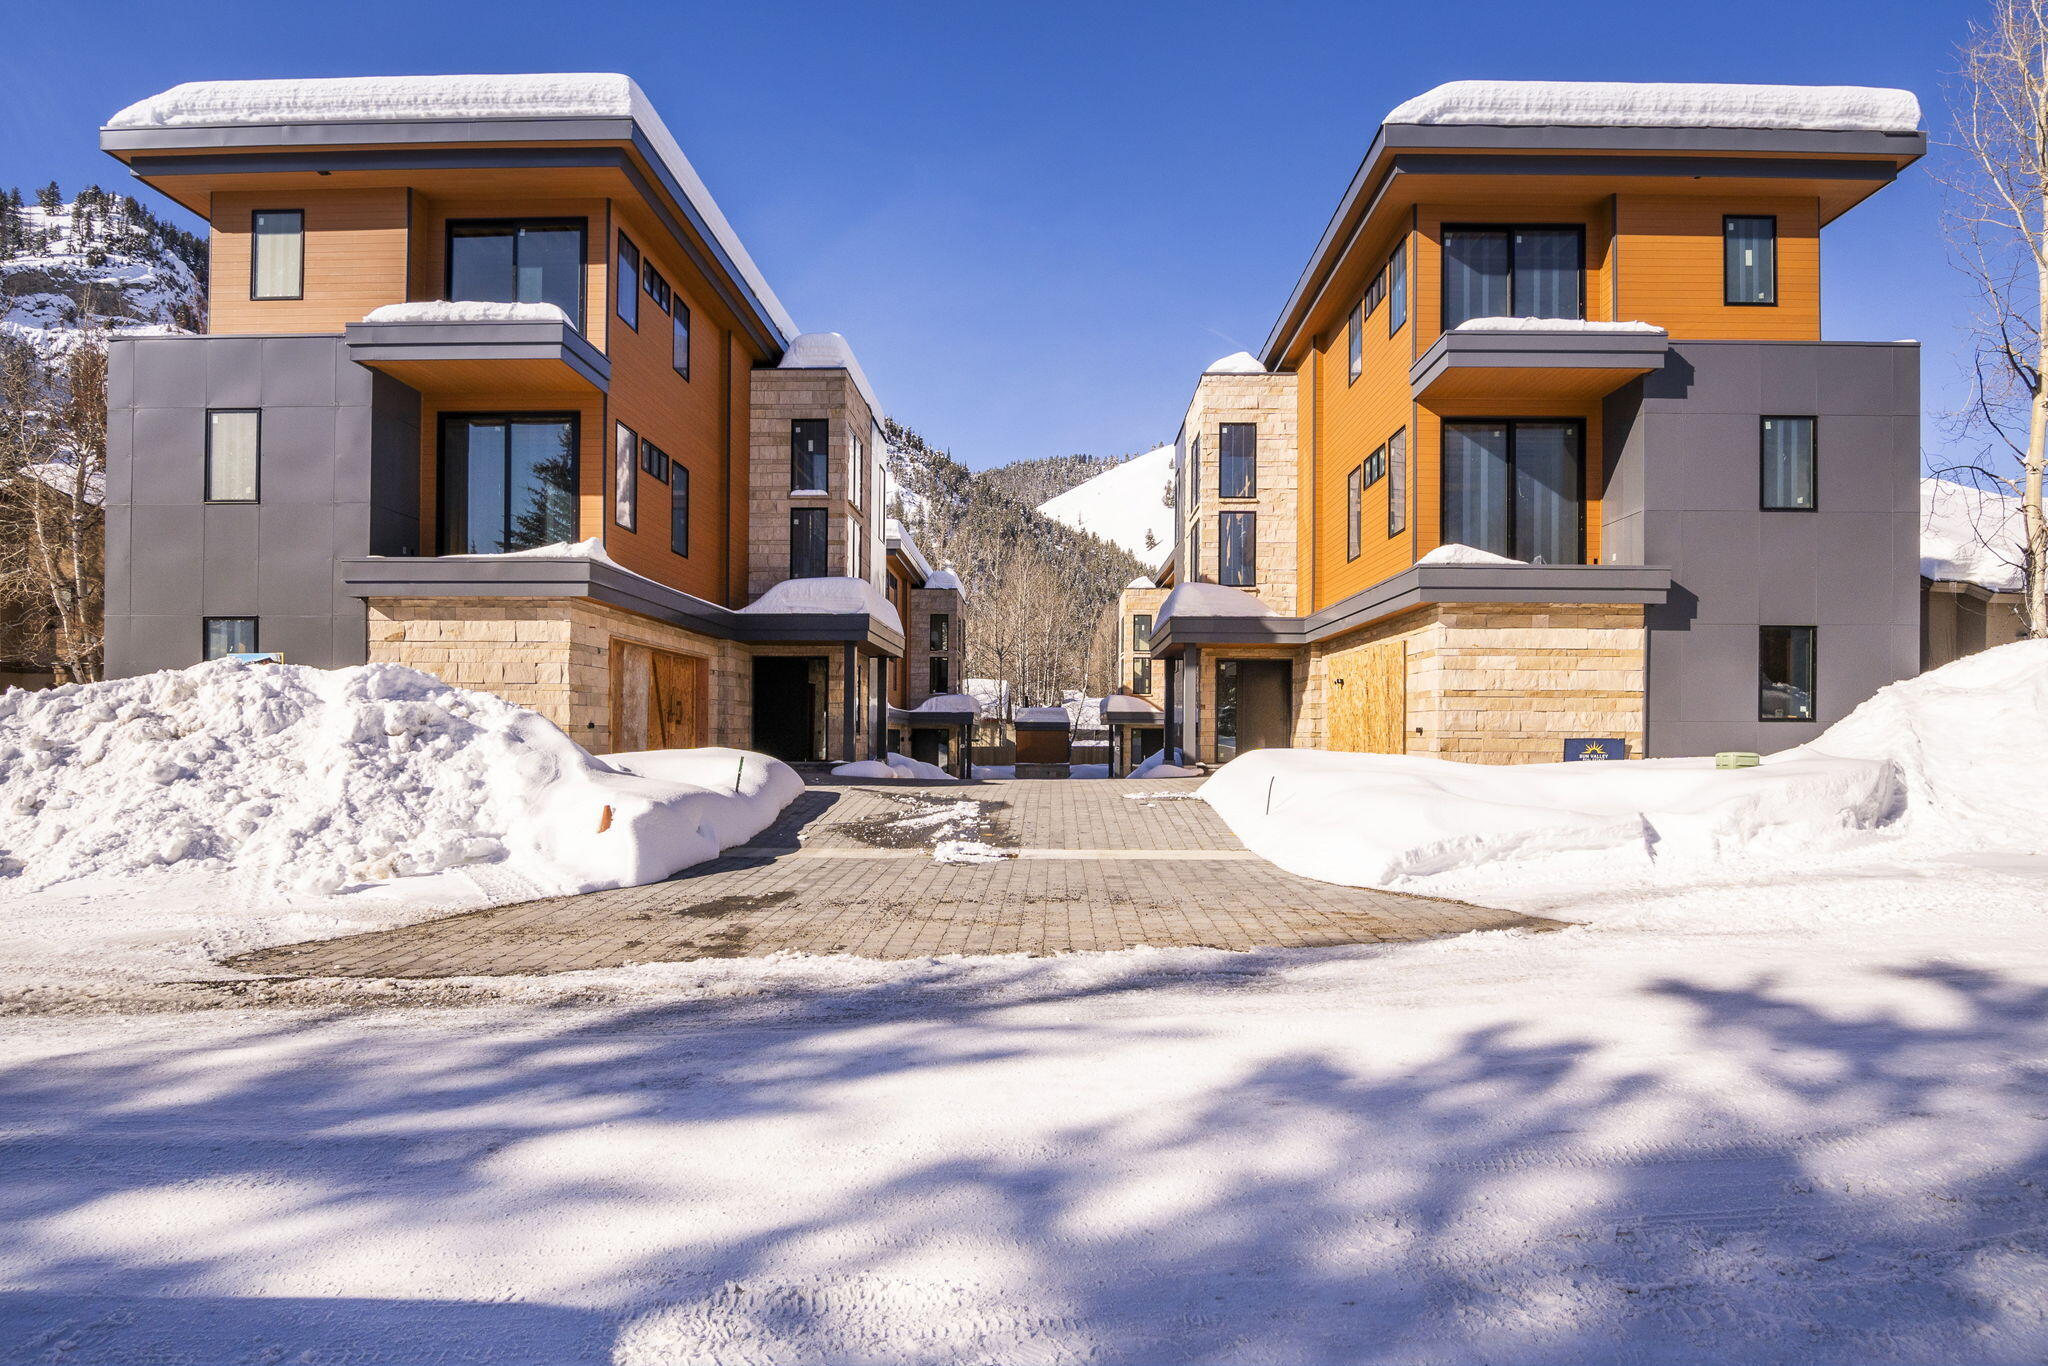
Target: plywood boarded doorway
(1369,698)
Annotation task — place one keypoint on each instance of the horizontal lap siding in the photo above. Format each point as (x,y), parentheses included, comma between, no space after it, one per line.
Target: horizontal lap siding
(355,259)
(1671,268)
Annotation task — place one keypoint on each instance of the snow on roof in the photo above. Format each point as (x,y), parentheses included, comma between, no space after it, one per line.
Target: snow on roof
(1208,600)
(950,702)
(1557,325)
(1236,363)
(803,597)
(1457,553)
(592,549)
(1125,505)
(1970,535)
(900,540)
(1128,708)
(466,311)
(829,351)
(1043,714)
(1664,104)
(943,578)
(427,99)
(1141,582)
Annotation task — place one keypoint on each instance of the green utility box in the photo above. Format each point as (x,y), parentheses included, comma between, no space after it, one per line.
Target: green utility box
(1735,758)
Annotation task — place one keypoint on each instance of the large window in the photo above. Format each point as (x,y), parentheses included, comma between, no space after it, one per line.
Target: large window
(1237,459)
(1141,631)
(941,631)
(1397,289)
(627,292)
(507,481)
(680,356)
(1749,261)
(1513,273)
(807,532)
(1788,465)
(1141,676)
(941,678)
(230,636)
(1354,509)
(1785,669)
(277,258)
(1397,482)
(1238,568)
(234,442)
(511,262)
(625,478)
(1512,488)
(809,440)
(679,511)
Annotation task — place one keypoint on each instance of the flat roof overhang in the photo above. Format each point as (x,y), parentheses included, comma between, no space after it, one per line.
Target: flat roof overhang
(481,357)
(456,576)
(1425,585)
(1516,365)
(947,720)
(1408,163)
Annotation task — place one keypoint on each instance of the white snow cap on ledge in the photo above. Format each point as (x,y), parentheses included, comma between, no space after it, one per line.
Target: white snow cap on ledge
(466,311)
(944,578)
(1042,714)
(1208,600)
(1236,363)
(1664,104)
(950,702)
(592,549)
(1458,553)
(428,99)
(1557,325)
(802,597)
(830,351)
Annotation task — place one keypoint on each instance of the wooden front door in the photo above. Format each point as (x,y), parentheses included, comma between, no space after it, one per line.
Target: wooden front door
(659,698)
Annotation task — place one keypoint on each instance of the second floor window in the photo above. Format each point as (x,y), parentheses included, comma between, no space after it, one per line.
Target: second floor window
(509,262)
(1354,510)
(1397,482)
(657,287)
(628,291)
(1397,289)
(625,478)
(1788,464)
(1238,567)
(1513,273)
(679,511)
(234,437)
(1356,344)
(1141,676)
(940,630)
(807,535)
(507,482)
(277,260)
(809,440)
(1749,259)
(1141,631)
(654,460)
(680,327)
(1512,488)
(1237,459)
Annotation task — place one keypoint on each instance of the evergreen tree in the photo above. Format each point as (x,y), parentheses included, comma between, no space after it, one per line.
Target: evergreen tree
(50,198)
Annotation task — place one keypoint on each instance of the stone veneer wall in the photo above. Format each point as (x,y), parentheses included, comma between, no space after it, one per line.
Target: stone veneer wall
(1130,603)
(917,638)
(1269,402)
(779,397)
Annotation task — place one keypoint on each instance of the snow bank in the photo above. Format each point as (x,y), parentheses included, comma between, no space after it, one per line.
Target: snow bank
(1208,600)
(1126,505)
(1456,552)
(466,311)
(1970,535)
(799,597)
(1954,759)
(1664,104)
(1575,325)
(1236,363)
(592,549)
(1155,766)
(897,766)
(313,779)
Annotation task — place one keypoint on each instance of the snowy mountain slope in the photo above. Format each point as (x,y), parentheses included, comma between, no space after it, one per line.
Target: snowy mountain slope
(98,261)
(1128,505)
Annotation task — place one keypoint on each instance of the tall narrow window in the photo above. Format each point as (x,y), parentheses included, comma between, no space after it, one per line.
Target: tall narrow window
(628,291)
(856,461)
(1234,530)
(941,679)
(1397,482)
(1512,488)
(230,636)
(1237,459)
(1226,708)
(1357,341)
(1194,565)
(1513,272)
(654,460)
(1397,289)
(807,532)
(809,439)
(234,442)
(680,328)
(277,262)
(508,261)
(625,478)
(507,482)
(1141,676)
(1785,673)
(1141,631)
(1195,471)
(679,511)
(1354,509)
(941,630)
(1788,464)
(1750,259)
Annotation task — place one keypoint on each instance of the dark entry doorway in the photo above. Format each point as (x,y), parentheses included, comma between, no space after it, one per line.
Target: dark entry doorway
(1254,705)
(789,706)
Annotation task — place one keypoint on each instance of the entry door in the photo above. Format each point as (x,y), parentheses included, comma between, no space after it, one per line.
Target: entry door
(788,691)
(1263,714)
(658,698)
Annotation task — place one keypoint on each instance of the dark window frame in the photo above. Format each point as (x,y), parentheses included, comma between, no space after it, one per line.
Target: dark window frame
(581,226)
(679,511)
(1514,309)
(823,486)
(1354,512)
(1141,675)
(1397,285)
(939,631)
(1397,485)
(1812,669)
(255,254)
(679,330)
(1771,302)
(1355,344)
(1229,684)
(255,636)
(625,499)
(650,277)
(1251,549)
(441,481)
(1444,483)
(802,516)
(621,296)
(1375,465)
(1812,463)
(1251,462)
(654,460)
(1141,636)
(939,675)
(206,487)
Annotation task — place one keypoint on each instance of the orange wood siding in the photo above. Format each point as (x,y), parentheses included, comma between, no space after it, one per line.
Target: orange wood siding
(355,259)
(593,450)
(1671,268)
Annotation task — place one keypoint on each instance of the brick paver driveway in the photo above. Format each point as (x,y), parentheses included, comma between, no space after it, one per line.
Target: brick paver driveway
(889,870)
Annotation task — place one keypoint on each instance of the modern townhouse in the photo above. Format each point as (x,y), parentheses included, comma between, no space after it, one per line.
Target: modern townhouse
(492,388)
(931,717)
(1546,445)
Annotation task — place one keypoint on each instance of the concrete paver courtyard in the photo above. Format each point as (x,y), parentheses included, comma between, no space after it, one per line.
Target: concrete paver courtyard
(889,870)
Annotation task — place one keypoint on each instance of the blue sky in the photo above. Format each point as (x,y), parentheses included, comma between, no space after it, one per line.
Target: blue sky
(1037,223)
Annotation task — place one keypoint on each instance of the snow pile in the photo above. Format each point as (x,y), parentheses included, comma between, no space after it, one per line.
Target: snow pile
(1129,505)
(1575,325)
(896,766)
(1236,363)
(828,596)
(830,351)
(1956,758)
(1456,552)
(1208,600)
(1664,104)
(1970,535)
(466,311)
(591,549)
(314,779)
(1155,766)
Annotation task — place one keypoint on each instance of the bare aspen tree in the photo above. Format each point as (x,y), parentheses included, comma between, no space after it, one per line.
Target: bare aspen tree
(53,450)
(1996,181)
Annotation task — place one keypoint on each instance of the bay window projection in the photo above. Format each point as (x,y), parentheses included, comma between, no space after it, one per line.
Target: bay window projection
(1785,673)
(277,260)
(508,482)
(1518,272)
(502,261)
(1749,259)
(809,438)
(625,479)
(1512,488)
(1235,537)
(1788,473)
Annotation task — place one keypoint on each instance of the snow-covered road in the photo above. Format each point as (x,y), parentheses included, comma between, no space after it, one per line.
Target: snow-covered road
(1812,1126)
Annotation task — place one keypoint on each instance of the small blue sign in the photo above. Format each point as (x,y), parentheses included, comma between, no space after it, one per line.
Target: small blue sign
(1576,751)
